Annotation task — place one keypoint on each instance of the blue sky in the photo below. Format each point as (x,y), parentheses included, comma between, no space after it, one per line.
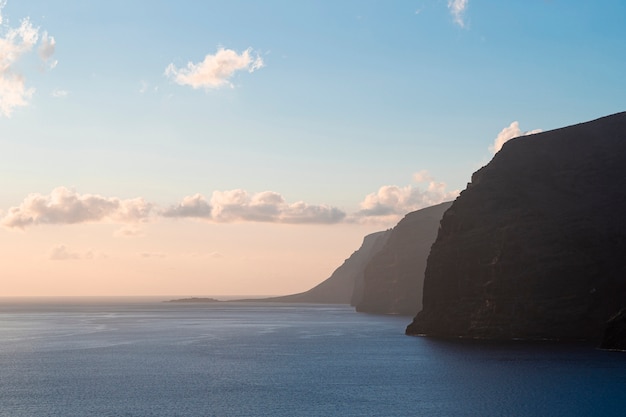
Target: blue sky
(346,116)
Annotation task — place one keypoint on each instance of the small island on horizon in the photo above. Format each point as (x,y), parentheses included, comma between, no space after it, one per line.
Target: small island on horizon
(194,300)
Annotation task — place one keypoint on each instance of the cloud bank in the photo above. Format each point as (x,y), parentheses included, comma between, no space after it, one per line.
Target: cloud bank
(241,206)
(215,70)
(457,9)
(508,133)
(15,43)
(65,206)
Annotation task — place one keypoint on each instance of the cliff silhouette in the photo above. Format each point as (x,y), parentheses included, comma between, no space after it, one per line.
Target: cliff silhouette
(394,276)
(344,286)
(385,275)
(534,247)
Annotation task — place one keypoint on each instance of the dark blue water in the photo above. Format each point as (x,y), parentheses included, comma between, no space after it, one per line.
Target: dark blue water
(159,359)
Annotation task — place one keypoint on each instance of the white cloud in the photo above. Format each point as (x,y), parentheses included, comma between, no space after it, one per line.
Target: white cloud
(216,70)
(65,206)
(391,202)
(457,9)
(508,133)
(241,206)
(268,206)
(62,253)
(15,43)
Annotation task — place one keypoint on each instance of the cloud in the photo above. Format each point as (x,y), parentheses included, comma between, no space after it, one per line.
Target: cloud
(192,206)
(2,4)
(62,253)
(216,70)
(65,206)
(15,43)
(457,9)
(508,133)
(59,93)
(268,206)
(422,176)
(46,50)
(212,255)
(240,206)
(391,202)
(153,255)
(129,231)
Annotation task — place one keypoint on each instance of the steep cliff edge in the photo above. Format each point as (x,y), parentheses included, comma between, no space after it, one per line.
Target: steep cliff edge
(393,279)
(343,286)
(534,247)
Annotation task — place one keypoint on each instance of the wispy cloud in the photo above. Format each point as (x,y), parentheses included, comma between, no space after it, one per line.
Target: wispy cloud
(2,4)
(46,50)
(391,202)
(508,133)
(215,70)
(62,253)
(457,9)
(129,231)
(16,42)
(59,93)
(152,255)
(65,206)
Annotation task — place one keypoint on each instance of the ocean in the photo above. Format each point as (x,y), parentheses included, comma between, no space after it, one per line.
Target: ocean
(127,357)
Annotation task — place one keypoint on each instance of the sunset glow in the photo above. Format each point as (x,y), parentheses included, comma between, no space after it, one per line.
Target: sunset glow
(237,148)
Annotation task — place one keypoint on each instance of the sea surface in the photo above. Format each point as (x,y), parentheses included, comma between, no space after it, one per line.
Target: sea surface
(149,358)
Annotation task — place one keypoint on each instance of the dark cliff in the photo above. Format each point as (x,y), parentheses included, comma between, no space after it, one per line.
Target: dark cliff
(344,285)
(394,277)
(534,247)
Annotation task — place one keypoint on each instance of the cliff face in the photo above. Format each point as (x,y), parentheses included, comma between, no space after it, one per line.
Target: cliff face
(615,333)
(534,247)
(372,244)
(394,277)
(344,285)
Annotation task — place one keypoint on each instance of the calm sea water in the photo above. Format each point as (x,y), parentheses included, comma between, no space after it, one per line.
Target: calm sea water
(104,358)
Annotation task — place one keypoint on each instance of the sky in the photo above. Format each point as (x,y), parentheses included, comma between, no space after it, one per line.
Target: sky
(196,148)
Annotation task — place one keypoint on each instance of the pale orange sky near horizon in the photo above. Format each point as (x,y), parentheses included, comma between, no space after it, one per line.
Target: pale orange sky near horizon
(174,259)
(214,148)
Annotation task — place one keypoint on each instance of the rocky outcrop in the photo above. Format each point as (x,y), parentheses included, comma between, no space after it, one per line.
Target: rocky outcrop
(393,279)
(534,247)
(344,281)
(615,333)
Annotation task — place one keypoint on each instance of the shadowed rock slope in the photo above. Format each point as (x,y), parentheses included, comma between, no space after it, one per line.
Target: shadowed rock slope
(394,277)
(344,281)
(534,248)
